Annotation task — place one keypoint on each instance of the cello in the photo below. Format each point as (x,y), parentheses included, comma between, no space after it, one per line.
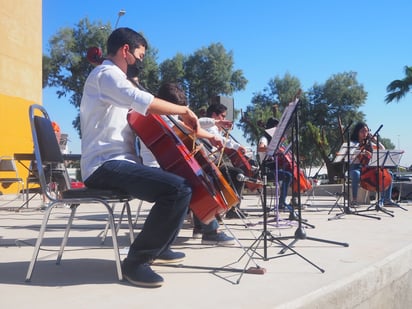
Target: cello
(372,178)
(286,160)
(239,160)
(202,157)
(209,196)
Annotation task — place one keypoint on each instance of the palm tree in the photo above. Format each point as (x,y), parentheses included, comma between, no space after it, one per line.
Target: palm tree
(399,88)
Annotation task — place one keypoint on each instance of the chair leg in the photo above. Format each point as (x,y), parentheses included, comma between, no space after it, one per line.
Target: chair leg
(38,243)
(66,233)
(139,208)
(106,228)
(129,220)
(115,244)
(126,206)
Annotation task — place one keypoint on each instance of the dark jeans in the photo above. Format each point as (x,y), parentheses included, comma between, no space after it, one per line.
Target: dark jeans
(283,176)
(170,193)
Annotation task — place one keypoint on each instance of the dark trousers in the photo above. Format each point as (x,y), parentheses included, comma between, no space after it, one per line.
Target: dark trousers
(170,194)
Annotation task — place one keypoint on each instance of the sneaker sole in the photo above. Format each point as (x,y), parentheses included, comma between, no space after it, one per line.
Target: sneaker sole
(144,284)
(160,261)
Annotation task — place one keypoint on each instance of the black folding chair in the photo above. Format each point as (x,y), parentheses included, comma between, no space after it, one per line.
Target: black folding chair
(47,157)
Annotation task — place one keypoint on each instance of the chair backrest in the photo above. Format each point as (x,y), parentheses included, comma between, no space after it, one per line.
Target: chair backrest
(48,156)
(7,164)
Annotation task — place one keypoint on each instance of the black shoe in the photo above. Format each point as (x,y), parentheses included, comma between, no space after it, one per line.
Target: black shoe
(170,256)
(293,217)
(235,214)
(141,275)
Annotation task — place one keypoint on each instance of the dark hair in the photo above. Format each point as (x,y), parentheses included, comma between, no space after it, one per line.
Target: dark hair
(173,93)
(122,36)
(271,123)
(355,133)
(216,108)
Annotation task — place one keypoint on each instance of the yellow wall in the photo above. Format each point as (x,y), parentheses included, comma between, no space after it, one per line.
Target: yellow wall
(20,74)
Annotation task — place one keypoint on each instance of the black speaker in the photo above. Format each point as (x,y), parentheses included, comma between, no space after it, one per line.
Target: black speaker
(229,103)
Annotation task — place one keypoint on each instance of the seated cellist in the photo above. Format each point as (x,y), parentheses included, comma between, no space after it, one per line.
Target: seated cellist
(362,139)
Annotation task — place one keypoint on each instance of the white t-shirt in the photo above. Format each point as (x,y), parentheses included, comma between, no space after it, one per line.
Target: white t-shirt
(209,125)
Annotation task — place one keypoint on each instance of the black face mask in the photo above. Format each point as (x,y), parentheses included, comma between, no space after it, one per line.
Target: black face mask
(133,70)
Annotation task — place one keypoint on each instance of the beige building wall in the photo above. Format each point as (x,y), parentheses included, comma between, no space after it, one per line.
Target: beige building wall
(20,74)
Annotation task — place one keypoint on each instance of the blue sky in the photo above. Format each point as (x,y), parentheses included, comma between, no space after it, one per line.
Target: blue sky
(311,40)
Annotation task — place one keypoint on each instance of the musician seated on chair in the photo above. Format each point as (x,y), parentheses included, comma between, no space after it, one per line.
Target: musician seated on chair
(215,123)
(362,139)
(283,175)
(109,159)
(209,233)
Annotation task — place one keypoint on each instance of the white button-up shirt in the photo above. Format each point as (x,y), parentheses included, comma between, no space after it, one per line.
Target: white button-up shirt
(107,97)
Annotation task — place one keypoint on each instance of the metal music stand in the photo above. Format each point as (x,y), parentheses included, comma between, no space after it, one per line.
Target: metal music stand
(291,115)
(393,160)
(343,155)
(383,159)
(347,153)
(273,146)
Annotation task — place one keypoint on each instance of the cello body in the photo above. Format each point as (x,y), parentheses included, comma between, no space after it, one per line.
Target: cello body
(219,182)
(239,160)
(173,156)
(373,178)
(300,181)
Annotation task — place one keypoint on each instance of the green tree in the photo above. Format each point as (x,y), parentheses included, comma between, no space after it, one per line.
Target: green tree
(67,67)
(322,113)
(333,107)
(399,88)
(270,102)
(209,72)
(173,70)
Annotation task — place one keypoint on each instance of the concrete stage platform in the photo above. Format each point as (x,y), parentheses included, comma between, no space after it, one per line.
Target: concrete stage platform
(374,271)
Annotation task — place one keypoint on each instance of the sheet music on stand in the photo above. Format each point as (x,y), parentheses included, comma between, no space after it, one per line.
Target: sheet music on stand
(387,158)
(281,128)
(342,154)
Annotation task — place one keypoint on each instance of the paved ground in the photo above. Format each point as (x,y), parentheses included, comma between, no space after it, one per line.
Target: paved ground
(321,273)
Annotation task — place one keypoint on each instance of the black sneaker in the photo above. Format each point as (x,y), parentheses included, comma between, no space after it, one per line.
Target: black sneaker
(141,275)
(170,256)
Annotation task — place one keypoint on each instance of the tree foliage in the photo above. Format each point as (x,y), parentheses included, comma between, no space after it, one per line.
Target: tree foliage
(270,102)
(67,67)
(399,88)
(205,74)
(322,113)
